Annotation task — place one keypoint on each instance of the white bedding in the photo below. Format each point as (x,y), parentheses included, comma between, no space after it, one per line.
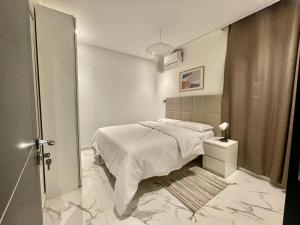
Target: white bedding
(135,152)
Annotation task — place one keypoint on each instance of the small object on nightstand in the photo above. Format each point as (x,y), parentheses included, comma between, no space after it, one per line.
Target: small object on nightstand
(220,157)
(224,127)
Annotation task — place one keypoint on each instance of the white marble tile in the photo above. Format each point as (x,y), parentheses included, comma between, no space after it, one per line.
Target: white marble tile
(80,207)
(247,201)
(74,209)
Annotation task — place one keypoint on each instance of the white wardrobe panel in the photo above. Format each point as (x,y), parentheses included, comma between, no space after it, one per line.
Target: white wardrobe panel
(58,91)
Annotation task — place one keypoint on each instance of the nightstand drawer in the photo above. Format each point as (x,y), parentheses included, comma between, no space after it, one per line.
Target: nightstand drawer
(214,165)
(214,151)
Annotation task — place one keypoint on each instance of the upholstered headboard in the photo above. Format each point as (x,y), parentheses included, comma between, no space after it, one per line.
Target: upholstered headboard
(202,109)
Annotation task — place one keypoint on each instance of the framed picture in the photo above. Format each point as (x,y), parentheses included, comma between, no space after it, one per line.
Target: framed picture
(191,79)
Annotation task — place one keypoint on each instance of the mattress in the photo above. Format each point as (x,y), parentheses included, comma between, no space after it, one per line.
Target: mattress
(134,152)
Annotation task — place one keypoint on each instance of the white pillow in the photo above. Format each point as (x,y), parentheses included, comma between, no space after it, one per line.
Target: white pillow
(194,126)
(168,121)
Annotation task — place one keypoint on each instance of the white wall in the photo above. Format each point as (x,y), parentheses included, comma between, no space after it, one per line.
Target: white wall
(210,51)
(114,88)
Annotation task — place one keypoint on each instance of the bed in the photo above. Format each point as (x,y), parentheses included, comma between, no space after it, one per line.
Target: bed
(134,152)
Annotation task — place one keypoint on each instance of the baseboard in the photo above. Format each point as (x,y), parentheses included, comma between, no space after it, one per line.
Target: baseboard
(261,177)
(254,174)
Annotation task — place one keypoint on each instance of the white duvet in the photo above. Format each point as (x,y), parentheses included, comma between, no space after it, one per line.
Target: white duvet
(135,152)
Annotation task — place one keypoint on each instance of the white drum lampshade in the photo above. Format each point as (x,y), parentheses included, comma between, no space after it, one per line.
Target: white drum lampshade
(224,127)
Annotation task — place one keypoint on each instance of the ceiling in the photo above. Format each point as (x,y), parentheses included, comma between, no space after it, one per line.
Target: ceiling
(129,26)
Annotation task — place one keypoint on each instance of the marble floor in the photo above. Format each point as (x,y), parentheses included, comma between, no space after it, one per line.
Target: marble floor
(248,201)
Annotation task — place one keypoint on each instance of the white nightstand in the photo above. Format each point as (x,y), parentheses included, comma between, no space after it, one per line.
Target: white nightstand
(220,157)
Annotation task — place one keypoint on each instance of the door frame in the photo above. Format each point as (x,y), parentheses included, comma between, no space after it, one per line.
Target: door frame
(77,103)
(39,103)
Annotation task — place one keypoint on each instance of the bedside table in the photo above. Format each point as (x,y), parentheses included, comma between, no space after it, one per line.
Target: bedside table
(220,157)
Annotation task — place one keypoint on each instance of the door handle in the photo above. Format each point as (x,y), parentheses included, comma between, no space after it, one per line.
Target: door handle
(39,142)
(48,142)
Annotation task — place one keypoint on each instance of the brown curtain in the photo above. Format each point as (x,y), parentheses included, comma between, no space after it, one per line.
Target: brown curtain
(258,86)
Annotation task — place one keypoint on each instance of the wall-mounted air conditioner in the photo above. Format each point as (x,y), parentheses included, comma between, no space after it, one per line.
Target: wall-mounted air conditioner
(174,58)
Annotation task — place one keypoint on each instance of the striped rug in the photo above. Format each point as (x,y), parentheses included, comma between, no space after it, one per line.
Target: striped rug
(194,187)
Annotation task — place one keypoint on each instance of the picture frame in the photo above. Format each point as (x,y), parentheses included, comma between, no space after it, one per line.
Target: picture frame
(192,79)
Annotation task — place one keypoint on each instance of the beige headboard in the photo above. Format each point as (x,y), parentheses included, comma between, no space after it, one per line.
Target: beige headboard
(202,109)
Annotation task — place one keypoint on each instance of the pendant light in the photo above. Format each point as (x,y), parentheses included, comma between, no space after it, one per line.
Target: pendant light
(159,51)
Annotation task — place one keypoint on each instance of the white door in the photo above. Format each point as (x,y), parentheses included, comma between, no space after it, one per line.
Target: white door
(56,44)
